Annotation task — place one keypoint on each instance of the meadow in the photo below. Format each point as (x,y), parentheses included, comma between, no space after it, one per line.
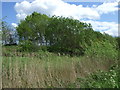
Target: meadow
(47,70)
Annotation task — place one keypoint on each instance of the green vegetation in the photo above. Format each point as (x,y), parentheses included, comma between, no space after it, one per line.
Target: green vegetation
(100,79)
(59,34)
(47,70)
(102,49)
(59,52)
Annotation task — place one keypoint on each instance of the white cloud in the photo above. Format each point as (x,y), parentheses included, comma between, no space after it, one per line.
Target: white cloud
(60,8)
(14,24)
(110,28)
(107,8)
(55,7)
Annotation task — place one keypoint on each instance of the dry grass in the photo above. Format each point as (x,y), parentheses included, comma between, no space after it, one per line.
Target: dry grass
(48,71)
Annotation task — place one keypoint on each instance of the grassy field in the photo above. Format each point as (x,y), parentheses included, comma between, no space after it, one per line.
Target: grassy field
(47,70)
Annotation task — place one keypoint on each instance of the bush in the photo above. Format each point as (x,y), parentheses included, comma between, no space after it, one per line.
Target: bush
(102,49)
(43,48)
(101,79)
(28,46)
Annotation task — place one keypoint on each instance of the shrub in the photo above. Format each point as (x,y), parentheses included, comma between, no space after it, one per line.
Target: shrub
(102,49)
(43,48)
(28,46)
(101,79)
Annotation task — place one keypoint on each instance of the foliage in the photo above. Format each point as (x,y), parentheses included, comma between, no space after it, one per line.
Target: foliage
(100,79)
(118,43)
(33,28)
(27,46)
(60,34)
(102,49)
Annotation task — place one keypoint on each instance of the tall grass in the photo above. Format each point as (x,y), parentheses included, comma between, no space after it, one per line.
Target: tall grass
(47,70)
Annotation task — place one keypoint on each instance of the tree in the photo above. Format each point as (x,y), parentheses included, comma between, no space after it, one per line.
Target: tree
(7,35)
(33,28)
(60,34)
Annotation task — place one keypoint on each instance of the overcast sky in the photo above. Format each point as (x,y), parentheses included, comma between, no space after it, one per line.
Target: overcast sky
(102,15)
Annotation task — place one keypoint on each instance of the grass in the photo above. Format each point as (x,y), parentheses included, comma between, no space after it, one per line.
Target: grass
(45,69)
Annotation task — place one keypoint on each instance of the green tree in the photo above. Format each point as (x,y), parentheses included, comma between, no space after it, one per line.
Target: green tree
(60,34)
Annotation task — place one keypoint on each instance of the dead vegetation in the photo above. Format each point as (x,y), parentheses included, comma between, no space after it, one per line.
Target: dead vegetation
(48,72)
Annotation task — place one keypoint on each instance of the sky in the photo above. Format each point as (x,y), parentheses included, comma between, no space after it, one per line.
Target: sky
(102,15)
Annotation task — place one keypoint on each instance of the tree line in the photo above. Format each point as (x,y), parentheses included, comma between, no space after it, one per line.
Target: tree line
(59,34)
